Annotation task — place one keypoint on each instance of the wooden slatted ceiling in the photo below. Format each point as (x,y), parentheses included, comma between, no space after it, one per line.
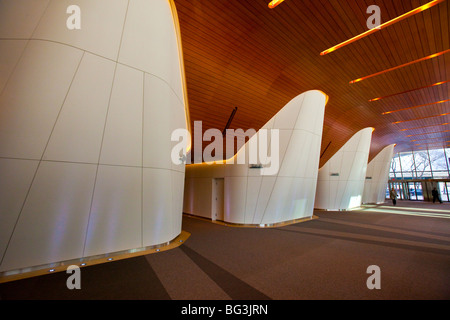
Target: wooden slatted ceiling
(241,53)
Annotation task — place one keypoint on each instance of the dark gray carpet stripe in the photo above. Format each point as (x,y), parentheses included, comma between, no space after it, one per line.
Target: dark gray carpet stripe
(361,230)
(233,286)
(128,279)
(396,229)
(382,242)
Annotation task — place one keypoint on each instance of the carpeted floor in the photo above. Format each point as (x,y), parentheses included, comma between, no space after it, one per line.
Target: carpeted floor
(325,258)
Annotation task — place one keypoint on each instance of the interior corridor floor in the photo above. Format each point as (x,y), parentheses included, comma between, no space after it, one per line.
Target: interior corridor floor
(325,258)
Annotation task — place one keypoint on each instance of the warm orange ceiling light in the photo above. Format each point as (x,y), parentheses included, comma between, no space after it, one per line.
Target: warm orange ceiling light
(424,133)
(433,125)
(415,140)
(422,105)
(382,26)
(436,115)
(433,143)
(434,55)
(274,3)
(395,94)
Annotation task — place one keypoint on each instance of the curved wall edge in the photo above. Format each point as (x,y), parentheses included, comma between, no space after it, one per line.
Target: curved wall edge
(251,193)
(341,180)
(86,117)
(377,176)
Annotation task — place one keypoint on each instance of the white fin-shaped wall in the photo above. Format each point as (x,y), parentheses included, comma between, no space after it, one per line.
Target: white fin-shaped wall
(377,176)
(277,192)
(86,117)
(340,182)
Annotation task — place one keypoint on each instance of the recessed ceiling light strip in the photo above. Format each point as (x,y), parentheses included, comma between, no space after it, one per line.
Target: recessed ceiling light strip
(436,115)
(433,143)
(422,105)
(382,26)
(425,133)
(395,94)
(434,55)
(274,3)
(427,139)
(433,125)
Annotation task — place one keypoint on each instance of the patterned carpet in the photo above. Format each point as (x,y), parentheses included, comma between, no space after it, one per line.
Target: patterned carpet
(322,259)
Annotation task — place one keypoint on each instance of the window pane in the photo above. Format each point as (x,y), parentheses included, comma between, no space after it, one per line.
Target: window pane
(422,164)
(395,167)
(447,154)
(407,161)
(437,159)
(438,163)
(419,192)
(443,191)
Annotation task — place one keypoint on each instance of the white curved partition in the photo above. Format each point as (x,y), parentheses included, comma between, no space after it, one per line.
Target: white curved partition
(282,188)
(86,116)
(377,176)
(340,181)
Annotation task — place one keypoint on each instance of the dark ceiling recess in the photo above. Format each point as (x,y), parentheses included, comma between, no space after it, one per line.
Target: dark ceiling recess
(243,53)
(229,121)
(325,149)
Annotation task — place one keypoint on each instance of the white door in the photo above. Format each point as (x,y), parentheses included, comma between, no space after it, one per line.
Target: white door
(217,199)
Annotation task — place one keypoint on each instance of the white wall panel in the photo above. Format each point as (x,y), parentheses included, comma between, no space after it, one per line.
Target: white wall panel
(157,206)
(293,157)
(377,176)
(311,166)
(177,200)
(264,192)
(235,195)
(285,137)
(115,216)
(310,119)
(11,52)
(53,222)
(288,118)
(78,132)
(26,120)
(340,181)
(122,141)
(19,18)
(158,98)
(253,185)
(140,36)
(280,201)
(101,25)
(197,196)
(15,180)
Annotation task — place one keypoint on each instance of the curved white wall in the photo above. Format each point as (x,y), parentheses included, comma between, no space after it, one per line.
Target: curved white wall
(258,196)
(377,176)
(86,118)
(340,182)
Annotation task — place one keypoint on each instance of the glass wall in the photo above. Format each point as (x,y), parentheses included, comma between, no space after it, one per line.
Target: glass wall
(409,171)
(444,189)
(423,164)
